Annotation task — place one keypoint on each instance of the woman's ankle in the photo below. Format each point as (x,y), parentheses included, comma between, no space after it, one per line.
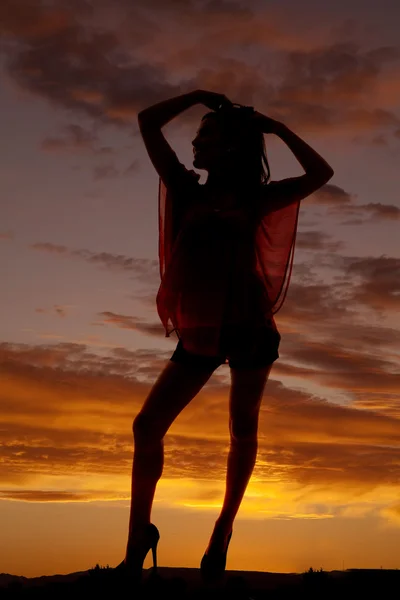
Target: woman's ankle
(136,532)
(223,526)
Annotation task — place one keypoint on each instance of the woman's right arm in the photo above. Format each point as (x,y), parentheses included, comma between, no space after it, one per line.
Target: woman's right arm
(152,119)
(160,114)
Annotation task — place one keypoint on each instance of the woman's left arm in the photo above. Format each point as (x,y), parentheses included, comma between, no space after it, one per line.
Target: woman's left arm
(317,170)
(313,164)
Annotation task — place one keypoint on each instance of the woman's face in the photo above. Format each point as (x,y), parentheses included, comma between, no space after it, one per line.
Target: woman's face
(209,147)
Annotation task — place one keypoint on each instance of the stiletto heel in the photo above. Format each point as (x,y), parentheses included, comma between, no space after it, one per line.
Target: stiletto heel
(154,552)
(132,566)
(212,566)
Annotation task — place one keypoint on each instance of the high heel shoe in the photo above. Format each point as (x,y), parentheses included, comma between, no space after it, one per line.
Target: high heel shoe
(131,567)
(213,564)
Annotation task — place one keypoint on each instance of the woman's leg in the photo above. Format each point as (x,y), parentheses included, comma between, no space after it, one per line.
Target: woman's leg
(176,386)
(247,387)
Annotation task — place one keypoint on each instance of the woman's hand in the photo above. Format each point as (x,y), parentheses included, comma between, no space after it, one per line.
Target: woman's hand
(266,124)
(213,100)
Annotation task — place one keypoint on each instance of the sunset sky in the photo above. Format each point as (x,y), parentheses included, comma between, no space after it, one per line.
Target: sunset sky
(81,342)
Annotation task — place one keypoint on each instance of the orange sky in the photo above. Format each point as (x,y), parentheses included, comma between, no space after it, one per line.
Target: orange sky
(81,341)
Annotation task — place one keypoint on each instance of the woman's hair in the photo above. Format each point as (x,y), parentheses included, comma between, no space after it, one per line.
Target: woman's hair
(238,127)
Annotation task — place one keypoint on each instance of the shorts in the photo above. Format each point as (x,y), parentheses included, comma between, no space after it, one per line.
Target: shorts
(259,354)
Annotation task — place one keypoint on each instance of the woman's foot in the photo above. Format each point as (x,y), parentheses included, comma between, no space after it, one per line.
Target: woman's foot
(213,563)
(218,542)
(141,541)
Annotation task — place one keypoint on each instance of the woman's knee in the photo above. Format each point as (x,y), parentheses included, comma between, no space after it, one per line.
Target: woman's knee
(146,429)
(243,430)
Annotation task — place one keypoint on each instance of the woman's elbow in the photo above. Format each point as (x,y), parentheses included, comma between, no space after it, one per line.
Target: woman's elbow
(143,119)
(327,174)
(331,172)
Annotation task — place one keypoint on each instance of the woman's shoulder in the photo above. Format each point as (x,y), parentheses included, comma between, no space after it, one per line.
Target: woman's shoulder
(178,179)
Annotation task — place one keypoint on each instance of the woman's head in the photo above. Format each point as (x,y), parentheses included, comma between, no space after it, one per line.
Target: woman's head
(229,143)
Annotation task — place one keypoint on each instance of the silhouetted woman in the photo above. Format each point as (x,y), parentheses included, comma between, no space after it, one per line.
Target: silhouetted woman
(226,252)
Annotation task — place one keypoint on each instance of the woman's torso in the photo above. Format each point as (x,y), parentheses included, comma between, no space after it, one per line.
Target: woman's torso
(217,242)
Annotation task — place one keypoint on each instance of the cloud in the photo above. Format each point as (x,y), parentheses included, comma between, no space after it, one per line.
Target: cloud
(132,168)
(368,283)
(328,341)
(105,172)
(66,437)
(110,68)
(128,322)
(379,281)
(43,496)
(371,283)
(60,311)
(342,204)
(315,301)
(331,194)
(109,171)
(339,368)
(142,268)
(28,20)
(341,83)
(382,211)
(75,139)
(76,66)
(317,240)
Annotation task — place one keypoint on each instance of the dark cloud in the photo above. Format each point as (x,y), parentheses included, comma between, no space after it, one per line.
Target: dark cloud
(75,357)
(105,172)
(132,168)
(29,20)
(382,211)
(44,496)
(354,465)
(363,336)
(60,311)
(372,283)
(112,61)
(361,372)
(77,66)
(317,240)
(134,323)
(338,81)
(337,365)
(316,302)
(378,401)
(379,281)
(75,139)
(331,194)
(343,204)
(143,268)
(325,89)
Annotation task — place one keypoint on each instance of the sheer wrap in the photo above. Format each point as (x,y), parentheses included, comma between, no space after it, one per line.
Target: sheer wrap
(221,268)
